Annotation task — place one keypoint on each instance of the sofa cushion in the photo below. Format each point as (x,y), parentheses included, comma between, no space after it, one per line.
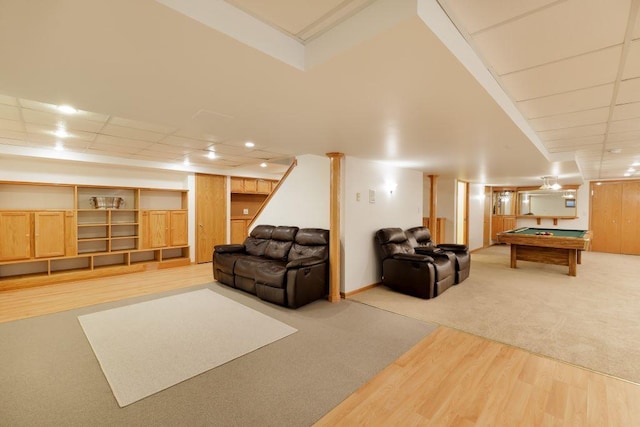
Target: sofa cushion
(310,242)
(271,274)
(262,231)
(277,250)
(226,261)
(248,265)
(284,233)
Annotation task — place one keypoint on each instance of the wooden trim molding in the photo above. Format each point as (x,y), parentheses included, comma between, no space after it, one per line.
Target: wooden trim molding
(433,207)
(360,290)
(270,196)
(335,267)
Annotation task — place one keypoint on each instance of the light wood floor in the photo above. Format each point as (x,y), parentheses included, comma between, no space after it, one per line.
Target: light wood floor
(450,378)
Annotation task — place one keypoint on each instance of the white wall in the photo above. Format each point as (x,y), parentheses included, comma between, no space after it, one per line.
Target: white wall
(476,215)
(361,219)
(303,198)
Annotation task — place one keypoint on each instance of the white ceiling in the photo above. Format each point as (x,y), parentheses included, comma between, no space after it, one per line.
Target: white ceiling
(161,82)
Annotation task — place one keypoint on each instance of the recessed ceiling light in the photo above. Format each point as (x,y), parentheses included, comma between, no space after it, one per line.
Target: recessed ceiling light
(615,150)
(61,132)
(263,165)
(59,146)
(635,164)
(66,109)
(186,162)
(249,144)
(631,170)
(211,154)
(627,174)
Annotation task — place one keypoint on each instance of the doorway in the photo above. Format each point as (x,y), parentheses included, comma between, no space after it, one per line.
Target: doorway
(211,214)
(462,213)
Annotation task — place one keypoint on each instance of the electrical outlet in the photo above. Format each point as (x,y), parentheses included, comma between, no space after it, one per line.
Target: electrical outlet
(245,211)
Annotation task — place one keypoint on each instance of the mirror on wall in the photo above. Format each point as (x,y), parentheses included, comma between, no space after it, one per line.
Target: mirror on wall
(547,203)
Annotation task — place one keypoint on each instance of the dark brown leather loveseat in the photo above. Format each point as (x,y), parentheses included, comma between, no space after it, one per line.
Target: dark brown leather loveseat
(283,265)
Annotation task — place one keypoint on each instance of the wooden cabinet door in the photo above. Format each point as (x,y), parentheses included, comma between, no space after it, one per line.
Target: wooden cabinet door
(15,229)
(238,230)
(606,215)
(49,239)
(263,186)
(179,228)
(250,185)
(630,223)
(496,226)
(158,229)
(237,185)
(508,223)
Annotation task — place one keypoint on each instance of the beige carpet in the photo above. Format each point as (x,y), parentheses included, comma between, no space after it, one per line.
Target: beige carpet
(592,320)
(147,347)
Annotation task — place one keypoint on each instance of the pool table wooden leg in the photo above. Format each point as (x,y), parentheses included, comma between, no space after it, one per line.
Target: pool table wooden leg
(579,256)
(514,255)
(573,264)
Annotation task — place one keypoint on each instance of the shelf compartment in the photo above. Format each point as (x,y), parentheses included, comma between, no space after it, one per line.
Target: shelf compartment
(175,253)
(92,246)
(93,232)
(145,256)
(124,244)
(109,260)
(70,264)
(124,230)
(24,269)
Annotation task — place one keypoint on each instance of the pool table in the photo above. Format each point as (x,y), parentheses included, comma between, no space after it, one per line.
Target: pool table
(563,247)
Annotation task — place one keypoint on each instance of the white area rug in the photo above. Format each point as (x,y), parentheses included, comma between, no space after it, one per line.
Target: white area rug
(147,347)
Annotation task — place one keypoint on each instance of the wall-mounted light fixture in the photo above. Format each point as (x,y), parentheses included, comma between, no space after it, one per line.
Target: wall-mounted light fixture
(550,183)
(390,187)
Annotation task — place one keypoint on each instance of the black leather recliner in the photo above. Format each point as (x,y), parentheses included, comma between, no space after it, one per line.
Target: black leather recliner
(420,239)
(403,270)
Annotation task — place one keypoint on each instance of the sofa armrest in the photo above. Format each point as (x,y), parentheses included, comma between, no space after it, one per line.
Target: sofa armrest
(304,262)
(453,247)
(413,257)
(228,249)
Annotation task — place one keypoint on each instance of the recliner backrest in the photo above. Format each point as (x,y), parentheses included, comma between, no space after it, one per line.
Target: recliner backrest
(256,243)
(280,244)
(392,241)
(420,236)
(310,242)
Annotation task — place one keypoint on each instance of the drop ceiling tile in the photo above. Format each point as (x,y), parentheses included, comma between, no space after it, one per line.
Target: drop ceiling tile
(171,148)
(475,15)
(576,132)
(14,135)
(197,144)
(111,149)
(582,99)
(231,149)
(597,68)
(67,145)
(624,136)
(9,112)
(8,100)
(576,142)
(11,125)
(51,108)
(553,34)
(629,91)
(114,141)
(626,111)
(131,133)
(134,124)
(632,66)
(261,154)
(157,155)
(192,134)
(625,125)
(569,120)
(37,131)
(71,123)
(636,28)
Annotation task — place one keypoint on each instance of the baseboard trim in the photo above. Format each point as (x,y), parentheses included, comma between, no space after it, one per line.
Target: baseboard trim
(357,291)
